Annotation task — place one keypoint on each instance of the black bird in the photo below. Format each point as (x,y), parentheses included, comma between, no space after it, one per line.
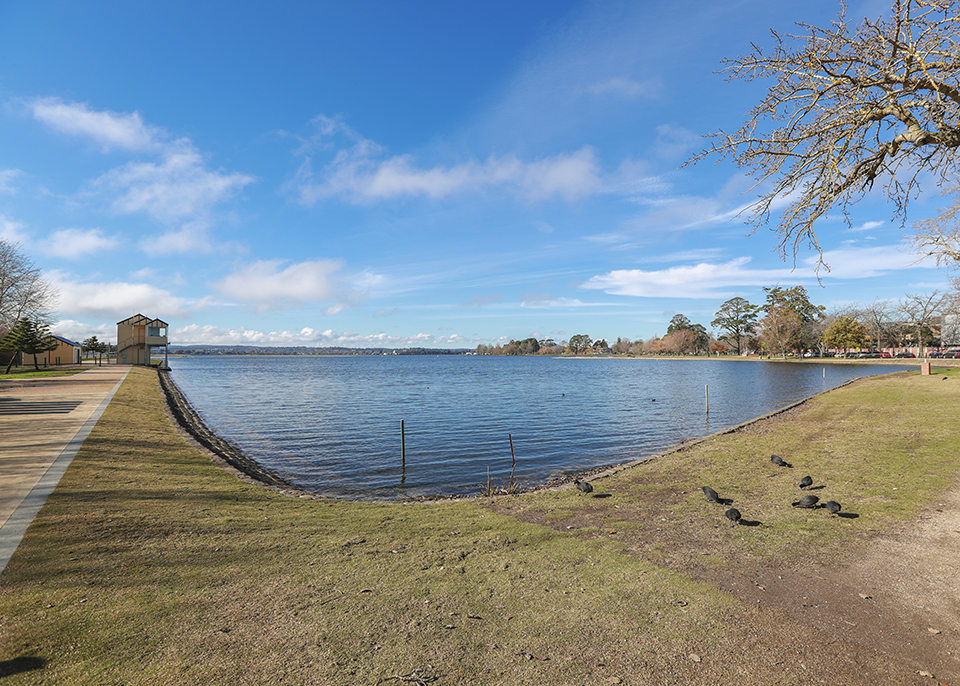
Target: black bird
(833,507)
(733,514)
(806,481)
(808,501)
(583,486)
(777,460)
(711,494)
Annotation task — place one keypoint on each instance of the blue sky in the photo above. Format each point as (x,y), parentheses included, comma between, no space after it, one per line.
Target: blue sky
(402,174)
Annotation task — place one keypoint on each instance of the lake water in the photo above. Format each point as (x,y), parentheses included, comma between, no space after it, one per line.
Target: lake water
(331,424)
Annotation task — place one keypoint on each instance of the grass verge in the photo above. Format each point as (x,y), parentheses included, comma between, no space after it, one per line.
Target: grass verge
(150,564)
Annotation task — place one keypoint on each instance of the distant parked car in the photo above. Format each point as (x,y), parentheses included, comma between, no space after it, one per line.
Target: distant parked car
(905,355)
(885,355)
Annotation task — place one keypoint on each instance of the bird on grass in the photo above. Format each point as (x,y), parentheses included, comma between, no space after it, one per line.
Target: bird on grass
(833,507)
(733,514)
(583,486)
(808,501)
(806,481)
(777,460)
(712,495)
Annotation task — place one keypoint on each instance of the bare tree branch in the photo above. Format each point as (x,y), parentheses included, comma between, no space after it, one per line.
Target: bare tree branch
(847,106)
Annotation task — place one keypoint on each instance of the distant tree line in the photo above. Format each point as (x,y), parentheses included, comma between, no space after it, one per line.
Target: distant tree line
(786,323)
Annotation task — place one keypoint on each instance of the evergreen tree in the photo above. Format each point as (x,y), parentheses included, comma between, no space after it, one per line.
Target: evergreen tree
(30,338)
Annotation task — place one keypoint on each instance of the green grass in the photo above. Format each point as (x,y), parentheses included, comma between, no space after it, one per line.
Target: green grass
(30,373)
(150,564)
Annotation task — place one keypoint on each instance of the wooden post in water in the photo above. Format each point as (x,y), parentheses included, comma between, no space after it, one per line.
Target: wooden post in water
(403,448)
(706,394)
(514,455)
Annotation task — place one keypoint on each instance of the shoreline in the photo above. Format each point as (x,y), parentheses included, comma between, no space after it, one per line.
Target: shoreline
(188,421)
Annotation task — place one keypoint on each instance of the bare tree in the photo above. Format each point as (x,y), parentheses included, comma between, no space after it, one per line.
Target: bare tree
(24,293)
(876,317)
(778,328)
(918,312)
(847,105)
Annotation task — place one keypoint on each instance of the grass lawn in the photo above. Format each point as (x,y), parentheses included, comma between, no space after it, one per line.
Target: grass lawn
(152,565)
(29,372)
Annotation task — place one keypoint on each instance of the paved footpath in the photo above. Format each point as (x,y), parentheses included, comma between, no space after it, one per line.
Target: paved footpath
(43,423)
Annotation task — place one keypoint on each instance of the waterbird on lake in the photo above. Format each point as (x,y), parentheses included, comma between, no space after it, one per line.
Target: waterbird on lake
(583,486)
(712,495)
(809,501)
(806,481)
(833,507)
(777,460)
(733,514)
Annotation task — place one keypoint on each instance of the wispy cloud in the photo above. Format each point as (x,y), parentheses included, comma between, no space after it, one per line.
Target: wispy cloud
(78,243)
(109,130)
(176,187)
(858,262)
(483,300)
(360,171)
(866,226)
(7,178)
(542,301)
(713,280)
(702,280)
(13,231)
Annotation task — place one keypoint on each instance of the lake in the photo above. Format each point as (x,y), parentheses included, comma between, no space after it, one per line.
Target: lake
(331,424)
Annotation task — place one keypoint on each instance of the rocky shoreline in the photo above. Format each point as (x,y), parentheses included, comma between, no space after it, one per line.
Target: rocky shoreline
(189,421)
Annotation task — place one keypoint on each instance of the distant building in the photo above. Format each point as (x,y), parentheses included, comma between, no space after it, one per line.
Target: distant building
(67,352)
(137,336)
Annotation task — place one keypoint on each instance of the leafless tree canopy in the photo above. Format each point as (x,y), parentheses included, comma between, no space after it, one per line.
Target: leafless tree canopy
(848,105)
(23,290)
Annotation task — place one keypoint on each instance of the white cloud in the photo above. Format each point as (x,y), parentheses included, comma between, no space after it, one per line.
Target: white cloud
(110,130)
(79,331)
(268,284)
(13,231)
(702,280)
(866,226)
(212,335)
(714,280)
(360,173)
(544,301)
(175,189)
(78,243)
(867,262)
(114,300)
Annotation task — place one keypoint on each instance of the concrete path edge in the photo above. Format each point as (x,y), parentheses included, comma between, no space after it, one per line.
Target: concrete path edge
(13,530)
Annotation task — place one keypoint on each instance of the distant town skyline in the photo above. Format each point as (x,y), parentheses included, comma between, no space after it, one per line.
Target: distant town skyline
(389,175)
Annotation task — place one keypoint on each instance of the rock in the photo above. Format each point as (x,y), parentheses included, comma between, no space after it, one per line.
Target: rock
(694,657)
